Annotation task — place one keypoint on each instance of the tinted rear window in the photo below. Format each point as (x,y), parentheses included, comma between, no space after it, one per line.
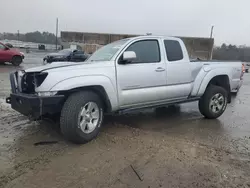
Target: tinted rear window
(173,50)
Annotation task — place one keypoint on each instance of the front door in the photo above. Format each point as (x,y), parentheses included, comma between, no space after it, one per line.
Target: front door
(3,53)
(144,79)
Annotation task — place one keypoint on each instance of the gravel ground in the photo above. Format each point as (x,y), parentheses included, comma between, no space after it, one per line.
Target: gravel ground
(174,148)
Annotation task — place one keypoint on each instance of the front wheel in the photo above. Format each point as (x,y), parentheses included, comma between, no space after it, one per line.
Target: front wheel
(16,60)
(81,117)
(214,102)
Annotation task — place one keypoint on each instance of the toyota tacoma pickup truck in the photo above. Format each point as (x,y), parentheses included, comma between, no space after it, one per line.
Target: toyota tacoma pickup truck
(130,74)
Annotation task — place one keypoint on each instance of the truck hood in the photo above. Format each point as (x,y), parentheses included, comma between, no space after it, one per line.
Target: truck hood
(66,66)
(52,66)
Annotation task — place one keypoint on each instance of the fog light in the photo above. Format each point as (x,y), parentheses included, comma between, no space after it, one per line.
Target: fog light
(46,93)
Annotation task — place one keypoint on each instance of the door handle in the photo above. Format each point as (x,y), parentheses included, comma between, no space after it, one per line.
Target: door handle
(159,69)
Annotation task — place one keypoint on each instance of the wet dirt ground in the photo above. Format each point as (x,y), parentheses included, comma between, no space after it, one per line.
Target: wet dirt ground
(175,147)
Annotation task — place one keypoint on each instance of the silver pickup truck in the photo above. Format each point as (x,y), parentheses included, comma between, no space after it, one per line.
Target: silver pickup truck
(133,73)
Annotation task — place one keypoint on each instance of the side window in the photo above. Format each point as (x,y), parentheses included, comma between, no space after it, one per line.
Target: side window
(173,50)
(147,51)
(78,52)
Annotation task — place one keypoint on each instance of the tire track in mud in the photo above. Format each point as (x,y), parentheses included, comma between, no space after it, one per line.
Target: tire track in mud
(229,166)
(13,125)
(22,168)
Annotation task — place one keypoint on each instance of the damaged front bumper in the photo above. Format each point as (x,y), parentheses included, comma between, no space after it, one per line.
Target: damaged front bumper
(33,105)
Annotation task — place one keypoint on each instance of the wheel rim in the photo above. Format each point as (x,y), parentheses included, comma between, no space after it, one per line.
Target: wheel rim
(217,103)
(88,117)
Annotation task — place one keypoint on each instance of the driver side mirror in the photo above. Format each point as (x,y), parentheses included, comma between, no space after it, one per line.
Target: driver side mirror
(128,56)
(6,48)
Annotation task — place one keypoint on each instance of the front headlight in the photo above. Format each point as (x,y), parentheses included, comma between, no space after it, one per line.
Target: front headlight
(46,93)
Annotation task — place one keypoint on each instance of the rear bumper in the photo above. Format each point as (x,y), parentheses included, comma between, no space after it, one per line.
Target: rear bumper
(34,106)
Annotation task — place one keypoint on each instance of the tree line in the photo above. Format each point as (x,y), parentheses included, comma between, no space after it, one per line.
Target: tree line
(232,52)
(37,37)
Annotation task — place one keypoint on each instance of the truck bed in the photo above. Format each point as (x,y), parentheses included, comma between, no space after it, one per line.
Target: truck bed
(213,60)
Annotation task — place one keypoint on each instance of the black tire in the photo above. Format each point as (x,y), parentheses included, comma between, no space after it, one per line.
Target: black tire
(204,102)
(16,60)
(70,117)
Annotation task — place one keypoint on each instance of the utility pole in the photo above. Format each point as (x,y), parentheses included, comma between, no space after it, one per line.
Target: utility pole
(56,31)
(18,35)
(212,30)
(211,36)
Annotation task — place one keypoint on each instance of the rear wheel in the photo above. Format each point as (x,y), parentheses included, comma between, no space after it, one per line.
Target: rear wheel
(214,102)
(81,117)
(16,60)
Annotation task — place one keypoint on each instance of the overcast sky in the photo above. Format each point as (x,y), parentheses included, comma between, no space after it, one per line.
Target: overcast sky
(165,17)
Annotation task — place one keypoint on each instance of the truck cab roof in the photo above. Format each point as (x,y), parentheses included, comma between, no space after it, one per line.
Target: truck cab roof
(156,37)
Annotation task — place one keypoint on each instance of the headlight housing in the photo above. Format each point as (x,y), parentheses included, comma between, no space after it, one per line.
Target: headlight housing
(32,80)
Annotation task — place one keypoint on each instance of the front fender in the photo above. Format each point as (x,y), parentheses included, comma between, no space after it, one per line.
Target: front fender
(83,81)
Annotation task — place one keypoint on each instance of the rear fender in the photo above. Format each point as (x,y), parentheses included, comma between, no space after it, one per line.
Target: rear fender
(203,79)
(209,77)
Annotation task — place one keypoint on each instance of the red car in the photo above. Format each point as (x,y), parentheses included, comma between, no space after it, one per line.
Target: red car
(10,55)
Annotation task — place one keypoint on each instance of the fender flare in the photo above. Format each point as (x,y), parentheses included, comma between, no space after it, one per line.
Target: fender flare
(89,81)
(202,81)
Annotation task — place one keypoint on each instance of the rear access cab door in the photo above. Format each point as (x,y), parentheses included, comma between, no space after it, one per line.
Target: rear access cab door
(180,72)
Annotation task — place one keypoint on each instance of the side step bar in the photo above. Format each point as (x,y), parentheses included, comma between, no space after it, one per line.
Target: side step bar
(158,105)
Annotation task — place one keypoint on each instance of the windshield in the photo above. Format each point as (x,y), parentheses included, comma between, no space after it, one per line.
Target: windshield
(106,53)
(65,52)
